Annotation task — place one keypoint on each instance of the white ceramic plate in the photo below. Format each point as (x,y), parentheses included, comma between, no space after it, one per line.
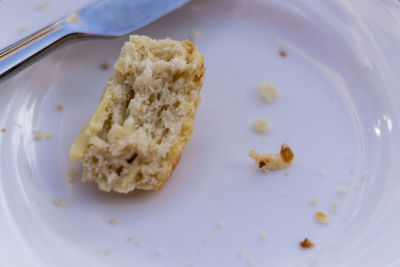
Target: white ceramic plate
(338,108)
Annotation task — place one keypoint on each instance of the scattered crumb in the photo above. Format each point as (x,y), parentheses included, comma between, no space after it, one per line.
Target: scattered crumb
(65,205)
(251,262)
(263,236)
(351,172)
(60,107)
(113,220)
(265,141)
(105,65)
(314,200)
(23,29)
(191,265)
(362,178)
(322,173)
(73,175)
(285,194)
(268,92)
(273,161)
(3,129)
(220,224)
(306,243)
(205,239)
(341,190)
(346,180)
(138,243)
(321,217)
(350,155)
(196,36)
(106,252)
(58,201)
(242,252)
(17,124)
(282,53)
(200,250)
(129,239)
(43,6)
(221,262)
(337,178)
(40,135)
(159,251)
(261,126)
(74,18)
(356,187)
(331,98)
(334,206)
(286,174)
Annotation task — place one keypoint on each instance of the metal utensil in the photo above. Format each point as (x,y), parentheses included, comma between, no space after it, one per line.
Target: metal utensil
(105,18)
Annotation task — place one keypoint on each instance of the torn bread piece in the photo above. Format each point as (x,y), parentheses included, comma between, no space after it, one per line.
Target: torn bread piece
(273,161)
(145,116)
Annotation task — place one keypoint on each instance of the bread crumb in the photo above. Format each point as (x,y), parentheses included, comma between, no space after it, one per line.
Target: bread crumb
(74,18)
(40,135)
(200,250)
(273,161)
(138,243)
(129,239)
(321,217)
(60,107)
(73,175)
(282,53)
(314,201)
(113,220)
(306,243)
(351,172)
(285,194)
(251,262)
(23,29)
(3,129)
(268,92)
(322,173)
(106,252)
(242,252)
(346,180)
(196,36)
(43,6)
(334,206)
(17,124)
(220,224)
(350,155)
(362,178)
(263,236)
(341,190)
(261,126)
(286,174)
(105,65)
(58,201)
(159,251)
(205,239)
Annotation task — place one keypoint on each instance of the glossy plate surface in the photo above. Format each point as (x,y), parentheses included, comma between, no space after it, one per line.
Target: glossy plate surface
(338,108)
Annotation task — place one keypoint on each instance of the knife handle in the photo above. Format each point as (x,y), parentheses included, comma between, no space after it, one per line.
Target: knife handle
(19,55)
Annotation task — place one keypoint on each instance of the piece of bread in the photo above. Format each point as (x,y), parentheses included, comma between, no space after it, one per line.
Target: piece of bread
(145,116)
(273,161)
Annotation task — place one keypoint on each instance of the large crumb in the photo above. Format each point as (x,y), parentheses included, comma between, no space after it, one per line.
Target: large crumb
(321,217)
(273,161)
(268,92)
(3,129)
(261,126)
(306,243)
(40,135)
